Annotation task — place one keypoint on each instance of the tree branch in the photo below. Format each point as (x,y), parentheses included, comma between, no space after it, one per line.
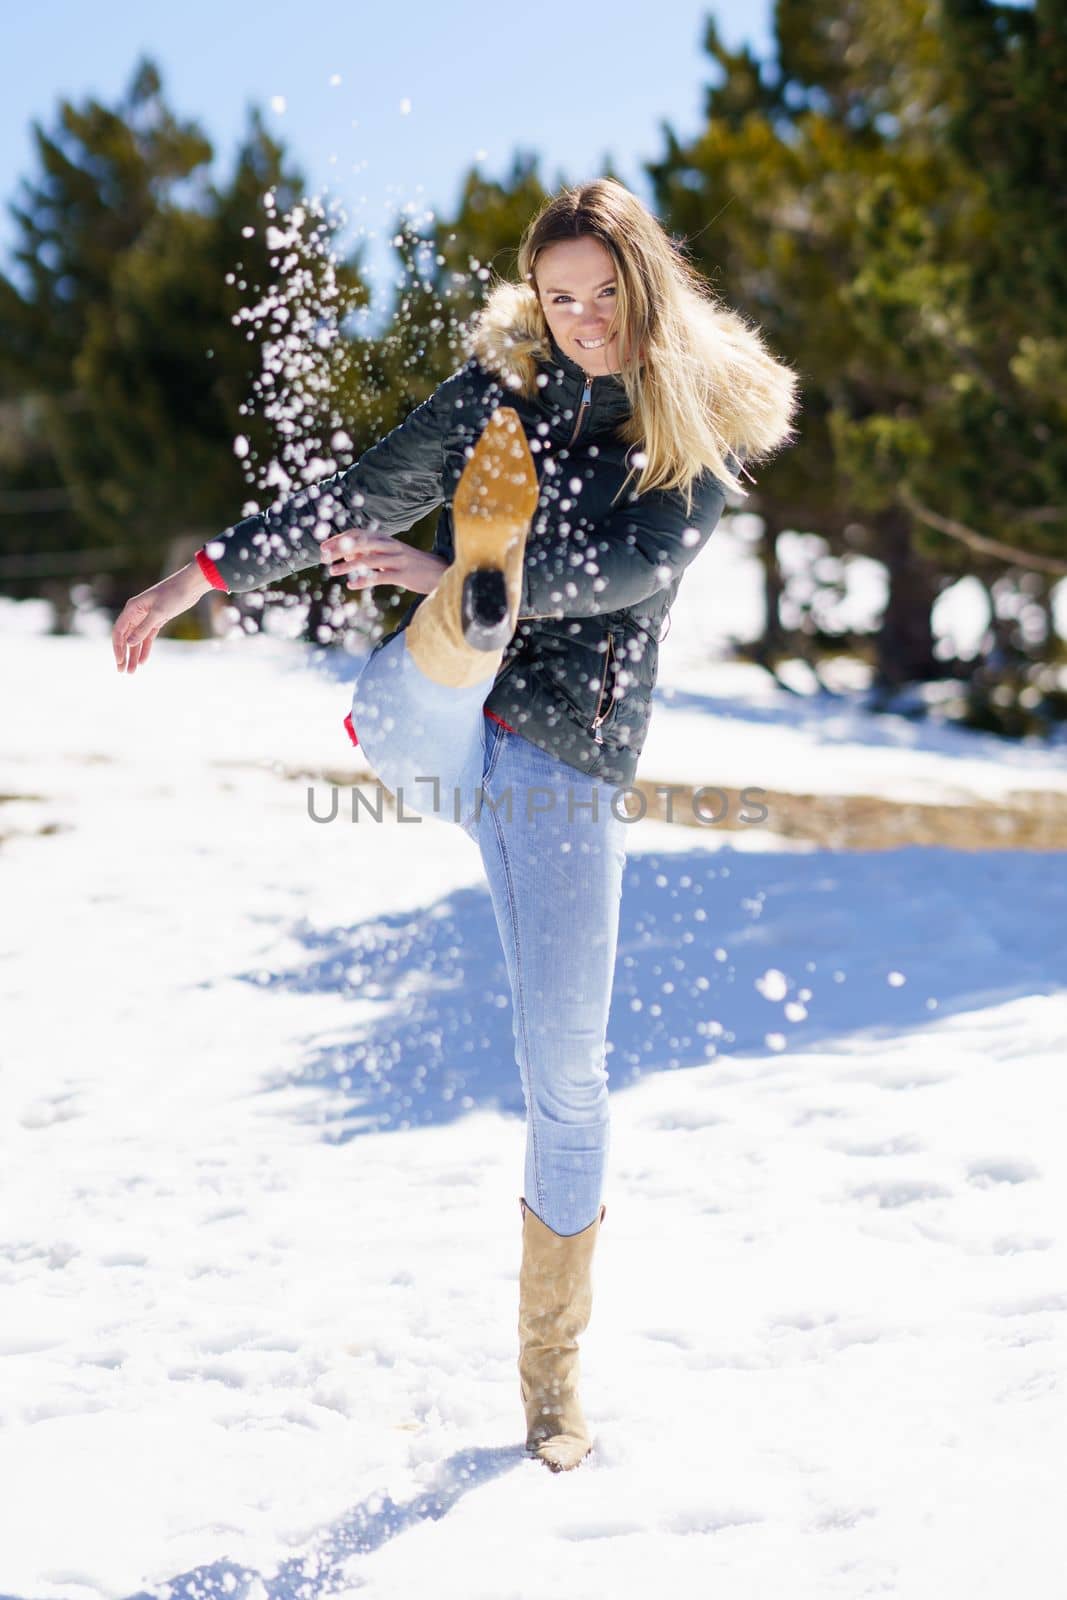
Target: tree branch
(979,541)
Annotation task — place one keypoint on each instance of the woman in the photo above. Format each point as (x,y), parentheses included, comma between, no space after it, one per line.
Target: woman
(581,458)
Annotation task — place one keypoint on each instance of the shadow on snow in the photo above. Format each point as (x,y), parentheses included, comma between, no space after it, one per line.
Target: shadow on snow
(319,1570)
(432,1036)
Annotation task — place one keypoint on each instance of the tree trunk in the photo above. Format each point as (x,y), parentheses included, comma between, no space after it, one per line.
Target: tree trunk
(904,644)
(57,590)
(772,643)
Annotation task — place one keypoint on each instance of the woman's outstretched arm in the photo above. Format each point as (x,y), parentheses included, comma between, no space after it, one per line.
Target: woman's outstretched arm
(393,484)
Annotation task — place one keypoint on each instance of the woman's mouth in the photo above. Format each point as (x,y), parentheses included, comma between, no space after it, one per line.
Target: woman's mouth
(590,344)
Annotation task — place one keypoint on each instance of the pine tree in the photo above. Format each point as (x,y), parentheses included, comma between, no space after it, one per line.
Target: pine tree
(886,200)
(128,342)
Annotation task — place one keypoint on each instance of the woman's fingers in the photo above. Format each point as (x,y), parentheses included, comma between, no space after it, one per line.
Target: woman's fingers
(123,633)
(365,559)
(130,633)
(118,636)
(381,573)
(338,548)
(141,651)
(133,655)
(345,551)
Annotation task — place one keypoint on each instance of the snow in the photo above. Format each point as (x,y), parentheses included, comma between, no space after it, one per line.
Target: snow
(262,1152)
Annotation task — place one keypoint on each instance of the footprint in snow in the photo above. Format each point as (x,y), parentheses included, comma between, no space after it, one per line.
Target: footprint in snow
(889,1196)
(838,1518)
(1013,1244)
(46,1113)
(902,1145)
(988,1174)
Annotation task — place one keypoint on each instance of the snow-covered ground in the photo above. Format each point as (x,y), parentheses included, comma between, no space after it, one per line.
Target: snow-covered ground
(262,1152)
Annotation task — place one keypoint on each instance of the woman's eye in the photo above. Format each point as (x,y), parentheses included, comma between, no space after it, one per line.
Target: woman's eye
(559,298)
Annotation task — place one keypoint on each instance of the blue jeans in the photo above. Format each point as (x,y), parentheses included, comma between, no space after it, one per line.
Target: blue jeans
(554,855)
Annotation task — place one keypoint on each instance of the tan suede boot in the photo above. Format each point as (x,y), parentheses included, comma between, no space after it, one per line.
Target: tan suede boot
(458,634)
(555,1302)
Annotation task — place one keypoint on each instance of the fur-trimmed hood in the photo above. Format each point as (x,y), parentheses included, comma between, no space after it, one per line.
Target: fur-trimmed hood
(756,394)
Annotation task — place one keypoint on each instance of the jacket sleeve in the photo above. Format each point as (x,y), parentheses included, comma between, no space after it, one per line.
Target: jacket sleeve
(629,555)
(393,484)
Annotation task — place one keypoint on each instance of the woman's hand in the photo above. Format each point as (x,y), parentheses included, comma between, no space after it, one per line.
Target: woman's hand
(142,617)
(373,558)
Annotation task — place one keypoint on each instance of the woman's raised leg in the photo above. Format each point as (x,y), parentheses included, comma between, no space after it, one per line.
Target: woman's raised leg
(418,702)
(424,742)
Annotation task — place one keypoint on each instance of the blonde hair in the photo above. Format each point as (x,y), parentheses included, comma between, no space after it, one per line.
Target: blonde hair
(701,383)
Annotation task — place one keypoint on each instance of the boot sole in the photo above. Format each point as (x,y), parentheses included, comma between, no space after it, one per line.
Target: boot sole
(492,508)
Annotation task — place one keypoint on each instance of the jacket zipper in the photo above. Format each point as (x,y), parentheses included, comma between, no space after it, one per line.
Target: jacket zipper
(587,400)
(599,715)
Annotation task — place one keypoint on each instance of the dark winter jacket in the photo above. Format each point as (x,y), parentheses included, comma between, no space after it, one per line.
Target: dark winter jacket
(599,579)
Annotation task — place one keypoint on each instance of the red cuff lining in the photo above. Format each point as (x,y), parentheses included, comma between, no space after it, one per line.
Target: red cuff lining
(210,571)
(349,729)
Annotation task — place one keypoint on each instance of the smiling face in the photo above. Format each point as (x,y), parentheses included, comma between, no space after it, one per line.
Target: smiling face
(577,287)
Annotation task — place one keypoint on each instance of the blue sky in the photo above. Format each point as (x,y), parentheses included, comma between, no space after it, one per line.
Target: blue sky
(425,89)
